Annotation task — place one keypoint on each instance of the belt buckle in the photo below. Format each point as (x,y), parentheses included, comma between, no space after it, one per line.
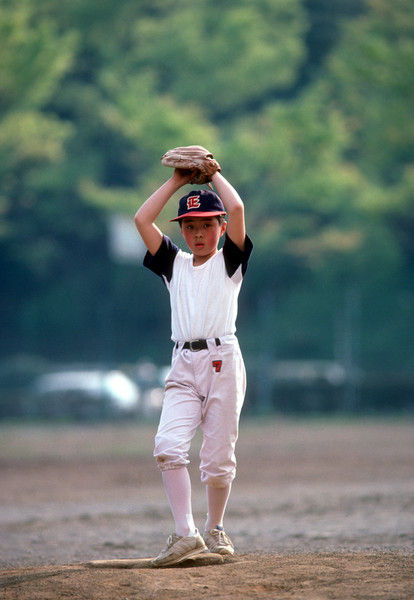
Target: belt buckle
(191,346)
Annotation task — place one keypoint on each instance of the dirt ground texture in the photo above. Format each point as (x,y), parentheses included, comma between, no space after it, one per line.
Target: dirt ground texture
(319,510)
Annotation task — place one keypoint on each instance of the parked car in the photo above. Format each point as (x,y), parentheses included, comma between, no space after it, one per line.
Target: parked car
(85,395)
(150,380)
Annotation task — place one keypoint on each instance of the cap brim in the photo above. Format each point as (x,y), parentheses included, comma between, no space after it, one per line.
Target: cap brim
(200,214)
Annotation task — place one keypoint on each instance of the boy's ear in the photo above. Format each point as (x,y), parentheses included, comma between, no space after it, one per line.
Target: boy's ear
(223,228)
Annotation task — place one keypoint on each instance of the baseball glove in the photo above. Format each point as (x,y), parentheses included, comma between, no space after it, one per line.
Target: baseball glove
(192,158)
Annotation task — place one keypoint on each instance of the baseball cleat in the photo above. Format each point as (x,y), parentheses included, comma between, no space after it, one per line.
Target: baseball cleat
(218,541)
(178,549)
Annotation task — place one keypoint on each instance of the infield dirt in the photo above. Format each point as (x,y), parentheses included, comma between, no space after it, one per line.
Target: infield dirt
(319,510)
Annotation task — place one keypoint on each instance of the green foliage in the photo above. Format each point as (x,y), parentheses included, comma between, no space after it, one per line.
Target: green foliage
(307,106)
(33,56)
(225,58)
(372,73)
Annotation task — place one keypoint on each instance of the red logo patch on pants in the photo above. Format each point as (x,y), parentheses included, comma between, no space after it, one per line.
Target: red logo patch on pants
(217,365)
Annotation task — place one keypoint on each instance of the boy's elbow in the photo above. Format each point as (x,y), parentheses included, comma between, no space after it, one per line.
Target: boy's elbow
(142,224)
(139,224)
(237,210)
(139,221)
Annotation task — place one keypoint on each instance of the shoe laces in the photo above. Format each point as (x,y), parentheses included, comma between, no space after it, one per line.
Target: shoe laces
(172,538)
(220,536)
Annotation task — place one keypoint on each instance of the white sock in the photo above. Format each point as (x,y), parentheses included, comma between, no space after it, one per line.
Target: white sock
(178,488)
(216,503)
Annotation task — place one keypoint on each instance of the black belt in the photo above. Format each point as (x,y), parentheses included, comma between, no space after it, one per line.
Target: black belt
(197,345)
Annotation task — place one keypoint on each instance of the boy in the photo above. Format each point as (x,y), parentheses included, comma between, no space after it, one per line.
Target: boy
(206,384)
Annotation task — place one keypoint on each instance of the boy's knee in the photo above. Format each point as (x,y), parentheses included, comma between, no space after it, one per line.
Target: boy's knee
(169,455)
(217,481)
(165,463)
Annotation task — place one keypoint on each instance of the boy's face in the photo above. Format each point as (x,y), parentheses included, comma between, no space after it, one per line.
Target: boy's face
(202,235)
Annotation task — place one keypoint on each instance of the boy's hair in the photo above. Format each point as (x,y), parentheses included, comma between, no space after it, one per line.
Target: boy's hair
(220,218)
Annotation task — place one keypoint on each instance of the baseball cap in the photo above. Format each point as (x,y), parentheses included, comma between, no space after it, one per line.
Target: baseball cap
(200,203)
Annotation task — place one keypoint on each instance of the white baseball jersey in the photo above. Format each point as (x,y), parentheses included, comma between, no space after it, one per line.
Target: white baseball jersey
(203,388)
(204,297)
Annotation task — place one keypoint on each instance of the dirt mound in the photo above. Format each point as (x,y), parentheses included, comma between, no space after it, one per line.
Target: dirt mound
(312,576)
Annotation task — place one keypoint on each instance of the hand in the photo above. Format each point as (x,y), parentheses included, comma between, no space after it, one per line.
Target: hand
(183,176)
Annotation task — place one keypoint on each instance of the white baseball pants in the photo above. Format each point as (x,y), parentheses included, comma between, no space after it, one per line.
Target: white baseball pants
(206,389)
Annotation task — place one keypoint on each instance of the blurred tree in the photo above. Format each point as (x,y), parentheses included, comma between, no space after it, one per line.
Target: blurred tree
(306,104)
(223,56)
(33,60)
(372,82)
(332,206)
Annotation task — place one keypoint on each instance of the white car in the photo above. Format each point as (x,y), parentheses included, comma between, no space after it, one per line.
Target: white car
(85,395)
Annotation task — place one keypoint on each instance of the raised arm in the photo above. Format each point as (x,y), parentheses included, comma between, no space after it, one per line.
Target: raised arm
(146,215)
(236,229)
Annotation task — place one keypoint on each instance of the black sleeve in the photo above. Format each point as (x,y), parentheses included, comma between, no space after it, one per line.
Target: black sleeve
(162,262)
(234,257)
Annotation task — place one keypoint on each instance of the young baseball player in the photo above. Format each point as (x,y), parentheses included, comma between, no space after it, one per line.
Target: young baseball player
(206,384)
